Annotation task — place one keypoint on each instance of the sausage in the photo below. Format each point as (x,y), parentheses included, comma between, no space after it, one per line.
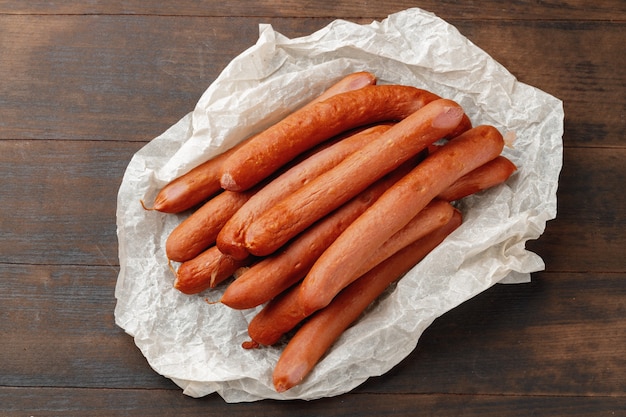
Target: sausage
(307,127)
(231,239)
(203,181)
(486,176)
(285,312)
(394,209)
(274,274)
(199,231)
(328,191)
(203,227)
(276,318)
(435,215)
(193,187)
(259,284)
(350,82)
(317,335)
(207,270)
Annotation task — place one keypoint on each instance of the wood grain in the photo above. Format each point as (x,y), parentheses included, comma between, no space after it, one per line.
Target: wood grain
(59,200)
(527,339)
(129,403)
(77,76)
(127,72)
(58,330)
(534,333)
(448,9)
(76,183)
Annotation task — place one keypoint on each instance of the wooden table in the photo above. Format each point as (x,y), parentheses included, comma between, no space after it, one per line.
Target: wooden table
(84,85)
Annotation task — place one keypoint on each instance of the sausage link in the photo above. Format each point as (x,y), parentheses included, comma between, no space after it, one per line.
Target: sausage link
(307,127)
(317,335)
(435,215)
(328,191)
(193,187)
(203,181)
(350,82)
(274,274)
(285,312)
(231,239)
(206,270)
(199,231)
(486,176)
(394,209)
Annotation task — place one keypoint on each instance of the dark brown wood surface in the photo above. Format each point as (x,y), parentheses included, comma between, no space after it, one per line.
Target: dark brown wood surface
(84,85)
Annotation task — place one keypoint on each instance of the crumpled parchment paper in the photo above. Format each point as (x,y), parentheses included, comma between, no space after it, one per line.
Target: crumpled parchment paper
(197,344)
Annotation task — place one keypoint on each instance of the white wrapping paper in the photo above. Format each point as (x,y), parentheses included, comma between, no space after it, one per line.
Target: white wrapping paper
(197,344)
